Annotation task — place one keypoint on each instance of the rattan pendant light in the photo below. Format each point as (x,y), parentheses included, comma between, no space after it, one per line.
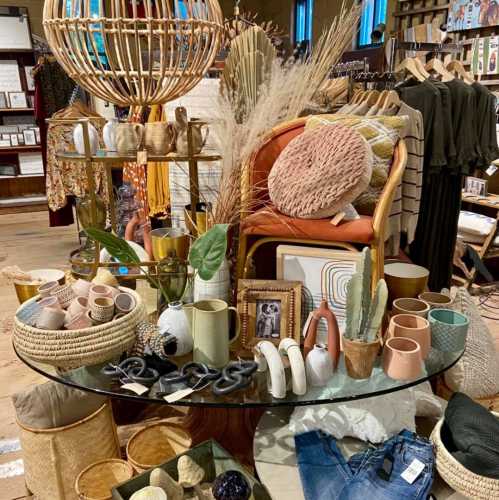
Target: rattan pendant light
(134,52)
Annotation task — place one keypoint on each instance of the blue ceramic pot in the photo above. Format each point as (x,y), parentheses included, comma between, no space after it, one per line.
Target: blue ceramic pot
(449,330)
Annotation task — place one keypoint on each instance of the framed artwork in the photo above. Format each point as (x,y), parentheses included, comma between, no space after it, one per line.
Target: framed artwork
(269,310)
(3,100)
(324,273)
(476,186)
(20,139)
(5,143)
(29,137)
(472,14)
(17,100)
(30,81)
(14,140)
(36,130)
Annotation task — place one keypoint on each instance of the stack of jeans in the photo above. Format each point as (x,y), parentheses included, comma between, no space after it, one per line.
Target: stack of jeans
(375,474)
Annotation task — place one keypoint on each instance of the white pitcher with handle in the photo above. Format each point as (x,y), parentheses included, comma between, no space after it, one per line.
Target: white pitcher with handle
(129,137)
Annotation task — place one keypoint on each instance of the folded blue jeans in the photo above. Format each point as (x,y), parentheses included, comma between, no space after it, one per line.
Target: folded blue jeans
(374,474)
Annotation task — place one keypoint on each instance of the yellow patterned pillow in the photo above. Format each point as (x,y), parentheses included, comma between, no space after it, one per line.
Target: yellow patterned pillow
(382,134)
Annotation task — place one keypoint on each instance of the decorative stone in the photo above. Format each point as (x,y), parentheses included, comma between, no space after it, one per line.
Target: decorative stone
(231,485)
(190,474)
(163,480)
(149,493)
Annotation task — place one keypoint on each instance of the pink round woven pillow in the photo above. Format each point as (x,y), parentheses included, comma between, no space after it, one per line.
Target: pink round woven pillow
(319,172)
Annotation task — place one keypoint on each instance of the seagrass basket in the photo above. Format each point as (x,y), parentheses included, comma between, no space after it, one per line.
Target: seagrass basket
(96,481)
(53,458)
(457,476)
(67,349)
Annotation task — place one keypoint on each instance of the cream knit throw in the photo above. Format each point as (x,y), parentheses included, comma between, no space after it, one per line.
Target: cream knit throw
(320,171)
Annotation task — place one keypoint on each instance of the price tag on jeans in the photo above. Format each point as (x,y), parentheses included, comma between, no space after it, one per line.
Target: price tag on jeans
(178,395)
(139,389)
(413,471)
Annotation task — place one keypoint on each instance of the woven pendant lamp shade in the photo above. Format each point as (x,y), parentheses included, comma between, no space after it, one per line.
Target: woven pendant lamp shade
(134,52)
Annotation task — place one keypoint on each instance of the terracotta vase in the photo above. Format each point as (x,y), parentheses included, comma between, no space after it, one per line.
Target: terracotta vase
(402,359)
(412,327)
(405,280)
(333,333)
(360,357)
(436,300)
(319,366)
(416,307)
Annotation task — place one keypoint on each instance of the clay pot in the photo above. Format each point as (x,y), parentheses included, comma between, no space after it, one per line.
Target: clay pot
(416,307)
(412,327)
(78,306)
(405,280)
(360,357)
(402,359)
(102,309)
(81,288)
(449,330)
(436,300)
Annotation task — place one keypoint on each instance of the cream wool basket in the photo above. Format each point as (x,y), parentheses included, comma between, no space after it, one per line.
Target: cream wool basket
(67,349)
(457,476)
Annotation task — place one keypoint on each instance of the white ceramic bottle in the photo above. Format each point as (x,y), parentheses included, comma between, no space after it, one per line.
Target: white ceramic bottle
(79,143)
(109,134)
(319,366)
(173,321)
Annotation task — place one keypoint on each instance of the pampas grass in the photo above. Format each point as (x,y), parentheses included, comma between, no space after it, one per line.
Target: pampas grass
(285,93)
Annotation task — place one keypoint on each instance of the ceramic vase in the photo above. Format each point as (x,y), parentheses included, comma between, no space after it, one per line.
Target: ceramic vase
(109,134)
(319,366)
(449,330)
(360,357)
(159,138)
(416,307)
(79,143)
(412,327)
(216,288)
(402,359)
(174,322)
(129,137)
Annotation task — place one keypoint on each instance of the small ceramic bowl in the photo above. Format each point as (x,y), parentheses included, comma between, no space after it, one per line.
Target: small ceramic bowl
(436,300)
(102,309)
(412,327)
(51,319)
(64,294)
(46,289)
(402,359)
(78,306)
(50,302)
(79,322)
(410,306)
(81,288)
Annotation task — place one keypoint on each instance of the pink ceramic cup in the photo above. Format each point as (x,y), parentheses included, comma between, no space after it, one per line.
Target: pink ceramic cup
(46,289)
(50,302)
(81,288)
(79,322)
(51,319)
(412,327)
(64,294)
(79,305)
(402,359)
(124,303)
(97,291)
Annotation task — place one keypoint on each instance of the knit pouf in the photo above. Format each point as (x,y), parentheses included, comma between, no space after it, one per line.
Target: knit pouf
(319,172)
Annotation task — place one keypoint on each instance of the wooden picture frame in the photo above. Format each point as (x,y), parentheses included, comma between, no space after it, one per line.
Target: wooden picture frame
(269,310)
(324,274)
(18,100)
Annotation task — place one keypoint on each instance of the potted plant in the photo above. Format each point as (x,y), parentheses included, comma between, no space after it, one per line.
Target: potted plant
(364,315)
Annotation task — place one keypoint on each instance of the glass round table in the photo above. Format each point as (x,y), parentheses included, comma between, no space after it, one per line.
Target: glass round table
(231,420)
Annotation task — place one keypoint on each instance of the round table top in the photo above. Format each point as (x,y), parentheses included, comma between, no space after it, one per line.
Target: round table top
(340,388)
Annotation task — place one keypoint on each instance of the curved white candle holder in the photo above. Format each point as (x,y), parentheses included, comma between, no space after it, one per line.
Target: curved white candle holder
(290,348)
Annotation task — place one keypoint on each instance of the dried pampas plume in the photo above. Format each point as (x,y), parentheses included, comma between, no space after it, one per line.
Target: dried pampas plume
(285,92)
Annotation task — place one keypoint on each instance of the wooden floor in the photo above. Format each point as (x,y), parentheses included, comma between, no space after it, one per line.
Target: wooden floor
(27,241)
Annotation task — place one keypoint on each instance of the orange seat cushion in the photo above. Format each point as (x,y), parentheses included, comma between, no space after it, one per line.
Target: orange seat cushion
(270,222)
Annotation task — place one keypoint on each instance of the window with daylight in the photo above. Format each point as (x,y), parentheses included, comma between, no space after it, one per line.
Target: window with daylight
(373,13)
(304,16)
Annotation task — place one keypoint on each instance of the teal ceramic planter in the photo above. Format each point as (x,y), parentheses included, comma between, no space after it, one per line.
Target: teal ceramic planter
(449,330)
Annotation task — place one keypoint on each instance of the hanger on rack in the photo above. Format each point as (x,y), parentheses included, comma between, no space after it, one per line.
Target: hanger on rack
(457,67)
(437,66)
(392,100)
(409,65)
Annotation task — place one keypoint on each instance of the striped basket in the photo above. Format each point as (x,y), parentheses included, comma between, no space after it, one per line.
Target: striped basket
(67,349)
(458,477)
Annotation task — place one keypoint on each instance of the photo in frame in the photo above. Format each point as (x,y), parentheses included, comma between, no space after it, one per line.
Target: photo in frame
(3,101)
(476,186)
(18,100)
(324,273)
(29,137)
(269,310)
(14,140)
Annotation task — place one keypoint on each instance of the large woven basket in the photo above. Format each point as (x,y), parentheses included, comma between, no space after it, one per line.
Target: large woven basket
(53,458)
(458,477)
(75,348)
(491,402)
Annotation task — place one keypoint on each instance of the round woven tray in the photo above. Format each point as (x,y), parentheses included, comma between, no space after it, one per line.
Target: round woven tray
(458,477)
(75,348)
(96,481)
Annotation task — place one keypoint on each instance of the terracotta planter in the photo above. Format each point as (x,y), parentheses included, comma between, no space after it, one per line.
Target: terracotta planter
(412,327)
(360,357)
(436,300)
(405,280)
(449,330)
(410,306)
(402,359)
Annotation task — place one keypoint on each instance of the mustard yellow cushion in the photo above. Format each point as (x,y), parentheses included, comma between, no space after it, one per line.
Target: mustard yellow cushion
(320,171)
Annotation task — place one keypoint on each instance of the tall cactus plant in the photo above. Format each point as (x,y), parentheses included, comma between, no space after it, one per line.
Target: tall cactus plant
(365,312)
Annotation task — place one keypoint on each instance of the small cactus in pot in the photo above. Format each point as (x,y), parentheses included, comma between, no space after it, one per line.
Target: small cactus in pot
(364,315)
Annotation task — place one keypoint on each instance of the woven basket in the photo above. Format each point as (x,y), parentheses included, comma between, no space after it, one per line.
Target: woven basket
(156,444)
(96,481)
(491,403)
(53,458)
(75,348)
(458,477)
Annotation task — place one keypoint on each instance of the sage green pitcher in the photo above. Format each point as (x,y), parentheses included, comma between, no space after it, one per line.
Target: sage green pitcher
(210,331)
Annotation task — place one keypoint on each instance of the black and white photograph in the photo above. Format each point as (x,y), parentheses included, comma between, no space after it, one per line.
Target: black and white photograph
(29,137)
(17,100)
(268,319)
(476,186)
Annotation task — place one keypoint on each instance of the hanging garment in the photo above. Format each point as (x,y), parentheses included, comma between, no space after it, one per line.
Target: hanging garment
(158,190)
